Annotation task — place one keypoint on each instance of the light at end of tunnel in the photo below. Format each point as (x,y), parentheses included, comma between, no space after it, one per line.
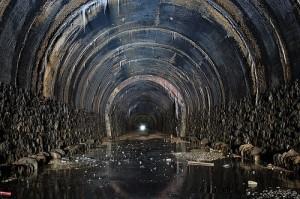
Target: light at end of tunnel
(143,127)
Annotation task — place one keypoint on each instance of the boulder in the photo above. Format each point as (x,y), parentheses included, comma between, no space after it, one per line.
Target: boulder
(43,158)
(292,153)
(277,159)
(26,166)
(256,151)
(222,147)
(245,150)
(297,160)
(29,161)
(60,151)
(76,149)
(290,159)
(55,155)
(256,154)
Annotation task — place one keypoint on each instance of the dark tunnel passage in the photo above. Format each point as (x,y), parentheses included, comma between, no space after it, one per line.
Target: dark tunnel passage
(130,95)
(87,72)
(148,100)
(212,52)
(144,104)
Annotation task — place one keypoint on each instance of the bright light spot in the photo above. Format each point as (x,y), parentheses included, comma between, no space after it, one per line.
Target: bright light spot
(143,127)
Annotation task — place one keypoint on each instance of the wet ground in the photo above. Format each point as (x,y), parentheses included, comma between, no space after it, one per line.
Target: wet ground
(147,169)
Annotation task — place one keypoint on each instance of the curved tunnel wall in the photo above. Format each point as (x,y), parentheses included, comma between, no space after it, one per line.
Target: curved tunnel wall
(175,105)
(212,51)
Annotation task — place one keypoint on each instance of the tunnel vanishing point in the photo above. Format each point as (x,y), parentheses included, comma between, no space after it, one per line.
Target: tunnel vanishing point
(77,70)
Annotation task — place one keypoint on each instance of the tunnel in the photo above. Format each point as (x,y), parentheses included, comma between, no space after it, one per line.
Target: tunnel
(142,108)
(84,71)
(209,52)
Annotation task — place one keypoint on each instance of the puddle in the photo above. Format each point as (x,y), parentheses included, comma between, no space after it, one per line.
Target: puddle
(147,169)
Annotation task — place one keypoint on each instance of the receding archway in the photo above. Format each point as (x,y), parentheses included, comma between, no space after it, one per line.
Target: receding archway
(173,92)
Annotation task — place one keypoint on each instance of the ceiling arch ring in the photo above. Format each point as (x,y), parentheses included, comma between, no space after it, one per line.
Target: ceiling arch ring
(178,35)
(98,97)
(112,54)
(156,60)
(162,82)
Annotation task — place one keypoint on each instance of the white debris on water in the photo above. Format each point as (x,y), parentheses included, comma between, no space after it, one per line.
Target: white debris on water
(199,156)
(226,166)
(252,184)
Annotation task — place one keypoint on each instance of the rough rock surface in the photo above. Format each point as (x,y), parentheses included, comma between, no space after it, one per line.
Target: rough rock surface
(272,124)
(29,125)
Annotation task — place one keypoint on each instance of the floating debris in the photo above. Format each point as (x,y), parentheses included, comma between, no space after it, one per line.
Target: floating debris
(199,156)
(205,164)
(270,194)
(9,179)
(226,166)
(252,184)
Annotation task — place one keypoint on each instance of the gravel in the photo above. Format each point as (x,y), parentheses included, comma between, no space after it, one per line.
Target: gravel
(272,194)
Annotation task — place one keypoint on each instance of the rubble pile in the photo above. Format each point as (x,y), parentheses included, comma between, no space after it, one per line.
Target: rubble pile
(30,124)
(272,123)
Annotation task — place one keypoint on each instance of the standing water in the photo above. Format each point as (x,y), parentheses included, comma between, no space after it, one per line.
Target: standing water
(147,169)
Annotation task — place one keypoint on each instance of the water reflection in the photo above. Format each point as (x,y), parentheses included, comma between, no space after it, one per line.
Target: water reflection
(147,170)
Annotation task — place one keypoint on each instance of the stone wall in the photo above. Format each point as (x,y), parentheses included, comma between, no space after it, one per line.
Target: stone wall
(29,124)
(272,124)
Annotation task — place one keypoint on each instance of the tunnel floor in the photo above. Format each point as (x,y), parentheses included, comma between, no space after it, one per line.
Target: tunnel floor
(147,169)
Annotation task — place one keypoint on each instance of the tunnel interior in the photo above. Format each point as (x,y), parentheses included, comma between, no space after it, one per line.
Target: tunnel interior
(149,98)
(139,105)
(164,64)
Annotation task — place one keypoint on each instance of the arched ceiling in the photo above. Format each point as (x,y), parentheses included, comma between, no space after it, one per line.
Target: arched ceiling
(140,105)
(210,51)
